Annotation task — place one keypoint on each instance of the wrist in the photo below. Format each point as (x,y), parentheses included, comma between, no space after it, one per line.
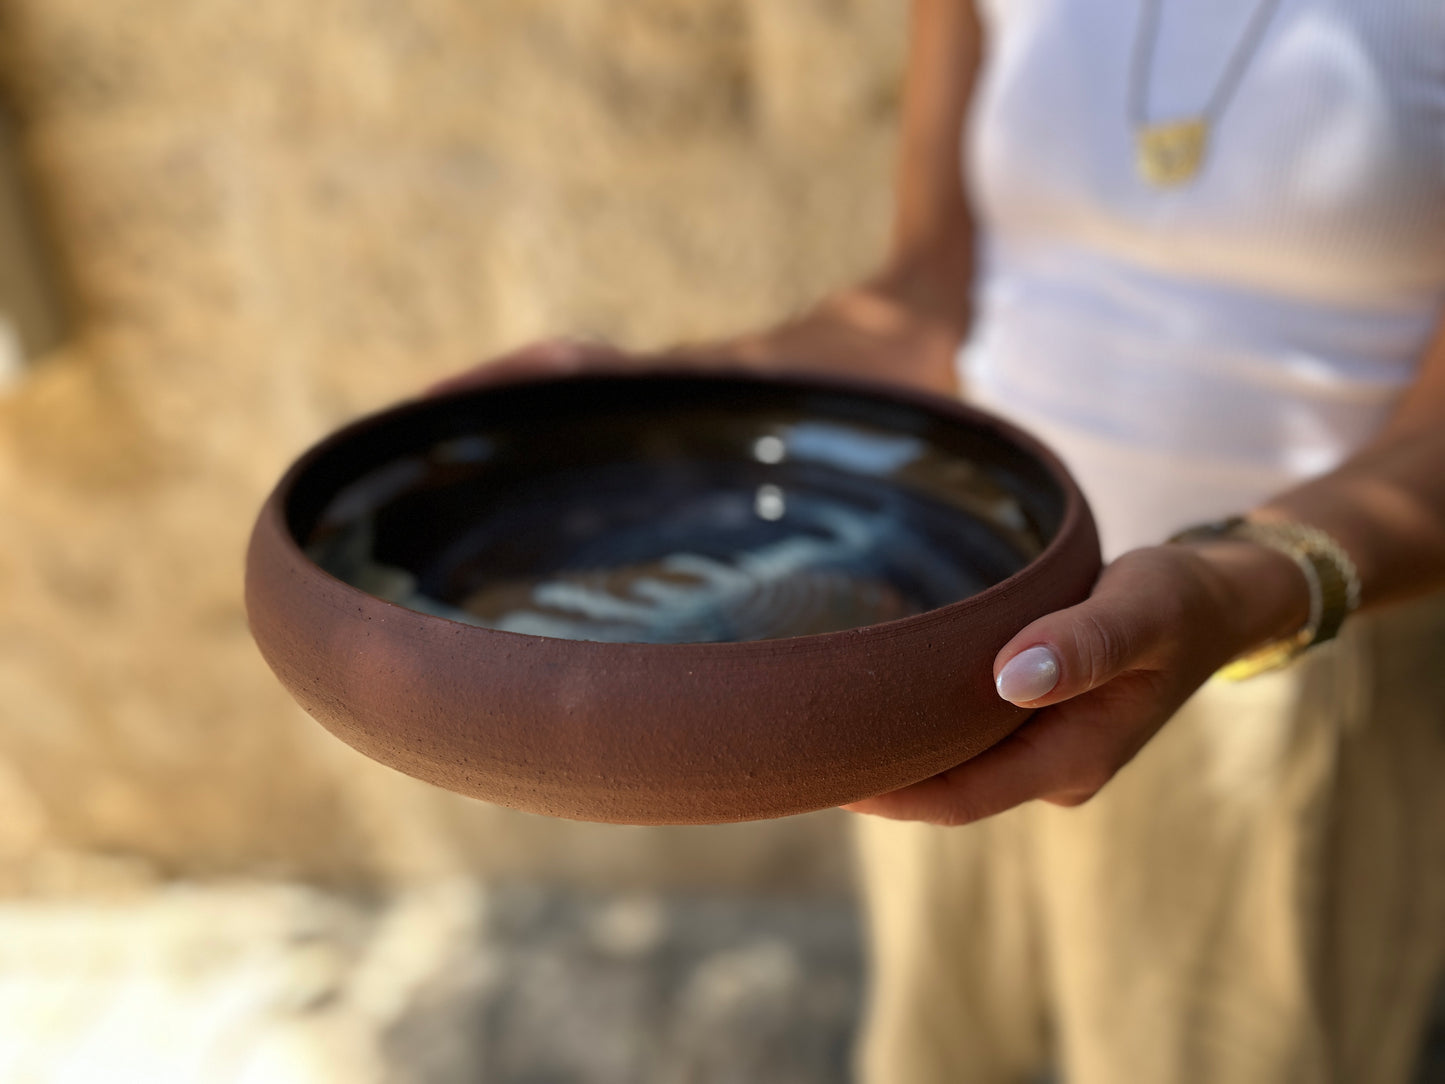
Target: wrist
(1261,593)
(934,288)
(1329,575)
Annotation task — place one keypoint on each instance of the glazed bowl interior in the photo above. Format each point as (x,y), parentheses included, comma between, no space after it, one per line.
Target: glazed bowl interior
(673,508)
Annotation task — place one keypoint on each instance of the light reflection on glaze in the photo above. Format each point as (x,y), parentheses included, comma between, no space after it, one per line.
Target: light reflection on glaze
(770,449)
(769,503)
(851,449)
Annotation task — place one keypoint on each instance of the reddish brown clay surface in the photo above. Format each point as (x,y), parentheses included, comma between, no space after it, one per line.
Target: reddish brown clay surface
(656,733)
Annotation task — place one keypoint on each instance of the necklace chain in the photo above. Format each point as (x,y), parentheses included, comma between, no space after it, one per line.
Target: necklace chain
(1171,152)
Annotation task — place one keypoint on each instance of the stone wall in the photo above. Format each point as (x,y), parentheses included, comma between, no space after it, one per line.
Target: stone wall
(270,216)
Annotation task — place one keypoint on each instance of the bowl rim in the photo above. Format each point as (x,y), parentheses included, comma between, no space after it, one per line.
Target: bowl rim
(1076,518)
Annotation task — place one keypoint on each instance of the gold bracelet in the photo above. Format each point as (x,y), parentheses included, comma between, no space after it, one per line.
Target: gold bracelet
(1334,585)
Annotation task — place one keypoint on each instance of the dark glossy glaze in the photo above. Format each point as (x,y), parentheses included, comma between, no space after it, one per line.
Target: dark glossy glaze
(891,684)
(668,516)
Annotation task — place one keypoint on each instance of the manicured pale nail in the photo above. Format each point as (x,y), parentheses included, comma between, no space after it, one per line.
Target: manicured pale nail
(1028,675)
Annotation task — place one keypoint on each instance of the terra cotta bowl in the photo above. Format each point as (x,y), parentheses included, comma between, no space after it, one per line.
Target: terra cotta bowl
(665,597)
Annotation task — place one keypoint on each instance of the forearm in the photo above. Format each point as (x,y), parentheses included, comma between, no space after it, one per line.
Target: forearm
(1385,507)
(903,323)
(930,261)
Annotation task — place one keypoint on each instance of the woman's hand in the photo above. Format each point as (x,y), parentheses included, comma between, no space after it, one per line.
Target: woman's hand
(875,331)
(881,330)
(1108,673)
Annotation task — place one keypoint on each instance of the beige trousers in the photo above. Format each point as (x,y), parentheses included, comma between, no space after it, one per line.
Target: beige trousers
(1259,898)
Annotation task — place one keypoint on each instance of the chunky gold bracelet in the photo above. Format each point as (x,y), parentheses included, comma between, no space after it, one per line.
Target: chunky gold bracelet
(1334,585)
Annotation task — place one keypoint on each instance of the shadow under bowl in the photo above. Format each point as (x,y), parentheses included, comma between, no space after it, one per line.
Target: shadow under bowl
(665,597)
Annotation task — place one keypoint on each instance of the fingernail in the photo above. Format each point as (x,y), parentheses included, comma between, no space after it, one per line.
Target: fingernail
(1028,675)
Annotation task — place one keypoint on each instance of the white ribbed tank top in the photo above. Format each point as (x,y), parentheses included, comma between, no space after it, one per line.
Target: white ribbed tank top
(1191,351)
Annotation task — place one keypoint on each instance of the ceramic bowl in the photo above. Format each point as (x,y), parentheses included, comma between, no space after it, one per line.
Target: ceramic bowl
(668,596)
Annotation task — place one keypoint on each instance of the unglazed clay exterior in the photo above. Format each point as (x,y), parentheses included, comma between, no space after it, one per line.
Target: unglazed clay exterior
(657,733)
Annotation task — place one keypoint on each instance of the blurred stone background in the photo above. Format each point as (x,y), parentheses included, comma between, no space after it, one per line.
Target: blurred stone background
(227,226)
(250,220)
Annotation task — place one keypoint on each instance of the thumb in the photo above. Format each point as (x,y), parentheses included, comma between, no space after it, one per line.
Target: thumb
(1128,623)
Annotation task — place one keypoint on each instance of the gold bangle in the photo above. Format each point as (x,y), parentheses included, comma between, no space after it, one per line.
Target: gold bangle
(1334,585)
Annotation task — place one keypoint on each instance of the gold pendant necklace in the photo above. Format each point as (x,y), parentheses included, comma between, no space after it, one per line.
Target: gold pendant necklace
(1171,153)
